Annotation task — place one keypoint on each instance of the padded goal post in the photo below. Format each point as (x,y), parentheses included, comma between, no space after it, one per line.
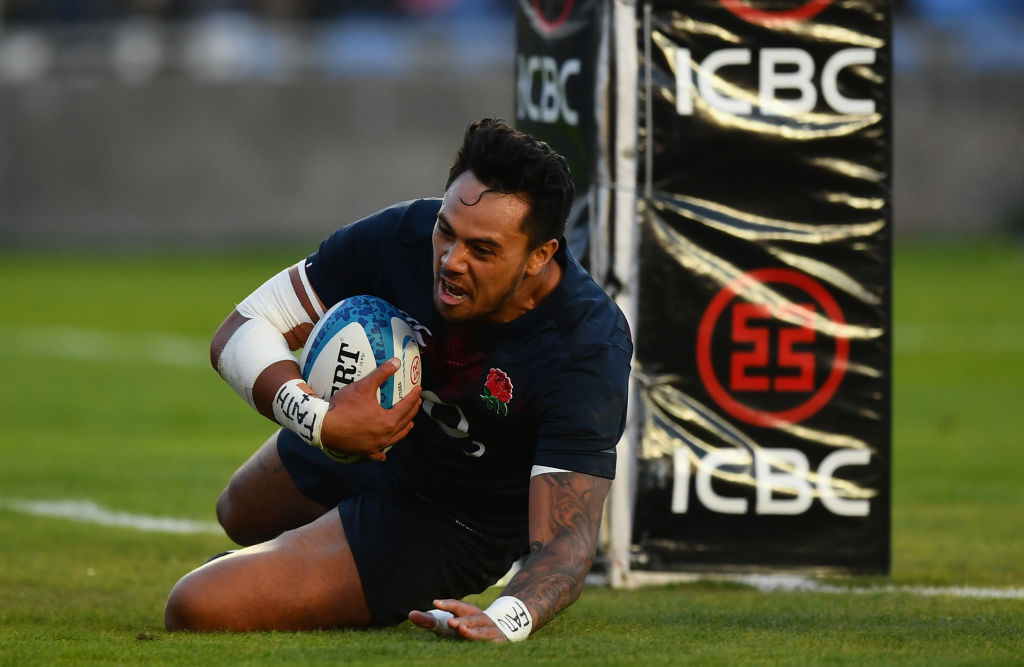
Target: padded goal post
(735,162)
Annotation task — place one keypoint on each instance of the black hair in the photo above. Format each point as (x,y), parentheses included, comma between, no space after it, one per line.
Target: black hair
(511,162)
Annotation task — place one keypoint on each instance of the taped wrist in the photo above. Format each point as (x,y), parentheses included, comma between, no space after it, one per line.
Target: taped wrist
(512,618)
(300,412)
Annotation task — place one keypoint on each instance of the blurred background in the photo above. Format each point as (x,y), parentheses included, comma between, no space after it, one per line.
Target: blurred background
(179,123)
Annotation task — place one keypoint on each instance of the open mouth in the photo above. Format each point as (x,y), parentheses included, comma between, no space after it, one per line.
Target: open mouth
(451,294)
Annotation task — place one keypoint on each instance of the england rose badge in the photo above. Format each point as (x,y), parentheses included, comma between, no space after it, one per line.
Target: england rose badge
(497,392)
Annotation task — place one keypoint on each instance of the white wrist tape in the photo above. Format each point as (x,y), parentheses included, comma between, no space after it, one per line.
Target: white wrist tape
(299,412)
(252,347)
(512,618)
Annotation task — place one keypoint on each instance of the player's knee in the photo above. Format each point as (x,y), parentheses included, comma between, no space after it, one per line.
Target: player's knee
(235,521)
(184,608)
(225,515)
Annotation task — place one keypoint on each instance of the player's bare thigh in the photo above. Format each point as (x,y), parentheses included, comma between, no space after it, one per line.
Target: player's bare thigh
(304,579)
(261,501)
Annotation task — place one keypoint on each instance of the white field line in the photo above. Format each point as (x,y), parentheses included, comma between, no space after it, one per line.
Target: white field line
(795,583)
(86,511)
(771,583)
(104,345)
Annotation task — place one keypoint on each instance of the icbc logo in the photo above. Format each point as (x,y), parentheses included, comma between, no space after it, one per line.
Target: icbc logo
(802,10)
(772,355)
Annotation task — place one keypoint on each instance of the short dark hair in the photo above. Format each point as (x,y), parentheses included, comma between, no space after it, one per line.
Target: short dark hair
(511,162)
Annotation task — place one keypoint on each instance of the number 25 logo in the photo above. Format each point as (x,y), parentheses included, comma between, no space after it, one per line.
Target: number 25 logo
(762,326)
(750,325)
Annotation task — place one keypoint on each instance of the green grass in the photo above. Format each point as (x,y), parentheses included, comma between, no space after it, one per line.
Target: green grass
(143,425)
(958,500)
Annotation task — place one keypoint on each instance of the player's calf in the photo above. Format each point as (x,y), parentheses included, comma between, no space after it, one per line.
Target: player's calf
(261,501)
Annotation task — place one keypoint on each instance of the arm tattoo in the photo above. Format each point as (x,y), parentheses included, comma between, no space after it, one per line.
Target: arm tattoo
(565,517)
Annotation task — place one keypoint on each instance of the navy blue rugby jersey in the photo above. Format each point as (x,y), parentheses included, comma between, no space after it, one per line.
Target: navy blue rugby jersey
(546,389)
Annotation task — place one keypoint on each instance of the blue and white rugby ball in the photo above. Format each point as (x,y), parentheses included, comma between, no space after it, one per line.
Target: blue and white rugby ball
(354,337)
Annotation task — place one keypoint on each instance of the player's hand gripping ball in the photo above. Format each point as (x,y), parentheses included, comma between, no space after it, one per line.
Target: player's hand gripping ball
(354,337)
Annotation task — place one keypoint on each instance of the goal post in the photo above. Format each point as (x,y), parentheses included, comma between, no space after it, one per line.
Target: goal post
(735,162)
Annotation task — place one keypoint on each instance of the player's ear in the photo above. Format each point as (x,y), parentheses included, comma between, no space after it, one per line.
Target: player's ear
(540,256)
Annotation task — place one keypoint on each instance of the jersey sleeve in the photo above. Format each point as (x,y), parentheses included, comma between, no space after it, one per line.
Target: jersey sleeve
(583,412)
(350,260)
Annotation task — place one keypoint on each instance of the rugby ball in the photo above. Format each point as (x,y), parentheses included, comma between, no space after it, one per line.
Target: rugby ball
(354,337)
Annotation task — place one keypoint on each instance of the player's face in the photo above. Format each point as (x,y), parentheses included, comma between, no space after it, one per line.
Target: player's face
(481,253)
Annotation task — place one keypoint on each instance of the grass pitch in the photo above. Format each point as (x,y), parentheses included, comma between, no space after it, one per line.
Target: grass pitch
(108,398)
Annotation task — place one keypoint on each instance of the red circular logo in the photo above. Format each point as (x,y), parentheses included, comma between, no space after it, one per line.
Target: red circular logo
(552,13)
(747,365)
(802,12)
(415,371)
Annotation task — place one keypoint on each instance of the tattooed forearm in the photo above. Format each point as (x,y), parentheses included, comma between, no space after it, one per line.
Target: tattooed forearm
(565,517)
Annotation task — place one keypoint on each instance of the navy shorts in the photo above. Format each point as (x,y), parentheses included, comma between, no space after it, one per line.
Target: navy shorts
(407,550)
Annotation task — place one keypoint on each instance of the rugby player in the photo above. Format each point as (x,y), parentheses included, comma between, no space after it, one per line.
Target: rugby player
(505,454)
